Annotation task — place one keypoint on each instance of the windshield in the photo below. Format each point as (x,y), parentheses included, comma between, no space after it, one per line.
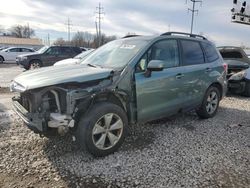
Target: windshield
(43,49)
(83,54)
(115,54)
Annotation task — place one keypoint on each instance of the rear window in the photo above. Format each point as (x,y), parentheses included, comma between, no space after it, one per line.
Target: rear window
(192,53)
(231,54)
(210,52)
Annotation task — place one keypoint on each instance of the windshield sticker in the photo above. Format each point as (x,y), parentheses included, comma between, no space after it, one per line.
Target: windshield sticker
(127,46)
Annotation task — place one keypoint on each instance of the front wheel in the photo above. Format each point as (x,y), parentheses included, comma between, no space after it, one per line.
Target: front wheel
(209,104)
(102,130)
(35,64)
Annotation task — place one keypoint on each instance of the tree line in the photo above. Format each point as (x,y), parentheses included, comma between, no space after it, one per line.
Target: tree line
(18,31)
(85,39)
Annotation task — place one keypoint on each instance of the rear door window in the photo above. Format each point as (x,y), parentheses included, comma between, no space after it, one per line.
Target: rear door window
(14,50)
(210,52)
(66,51)
(192,53)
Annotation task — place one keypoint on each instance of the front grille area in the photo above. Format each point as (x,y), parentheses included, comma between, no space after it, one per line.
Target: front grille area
(25,102)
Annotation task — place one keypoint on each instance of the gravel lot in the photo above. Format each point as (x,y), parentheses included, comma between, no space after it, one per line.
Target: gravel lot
(8,72)
(181,151)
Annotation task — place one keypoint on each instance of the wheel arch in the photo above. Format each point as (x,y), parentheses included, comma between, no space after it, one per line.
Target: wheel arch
(219,87)
(86,104)
(2,57)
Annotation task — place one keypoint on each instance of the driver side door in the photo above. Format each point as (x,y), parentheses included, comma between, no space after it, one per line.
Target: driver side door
(160,94)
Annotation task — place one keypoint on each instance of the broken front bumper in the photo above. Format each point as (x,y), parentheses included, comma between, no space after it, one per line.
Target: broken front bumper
(34,121)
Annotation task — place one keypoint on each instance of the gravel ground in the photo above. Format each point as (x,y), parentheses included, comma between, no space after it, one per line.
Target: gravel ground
(8,72)
(181,151)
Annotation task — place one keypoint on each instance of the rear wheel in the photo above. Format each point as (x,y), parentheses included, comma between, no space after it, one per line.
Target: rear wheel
(210,103)
(35,64)
(1,60)
(102,130)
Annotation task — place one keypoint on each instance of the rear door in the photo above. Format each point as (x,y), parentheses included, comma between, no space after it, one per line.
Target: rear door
(66,52)
(160,94)
(195,70)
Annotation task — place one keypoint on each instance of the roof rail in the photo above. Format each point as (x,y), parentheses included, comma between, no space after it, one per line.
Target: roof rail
(186,34)
(128,36)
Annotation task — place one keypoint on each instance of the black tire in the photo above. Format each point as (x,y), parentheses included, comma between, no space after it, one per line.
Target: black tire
(1,60)
(85,135)
(203,112)
(34,64)
(246,93)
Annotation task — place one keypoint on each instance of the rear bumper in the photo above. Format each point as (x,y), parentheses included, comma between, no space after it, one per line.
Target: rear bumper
(34,121)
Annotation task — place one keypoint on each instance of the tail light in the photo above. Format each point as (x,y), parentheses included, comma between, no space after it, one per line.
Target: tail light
(225,66)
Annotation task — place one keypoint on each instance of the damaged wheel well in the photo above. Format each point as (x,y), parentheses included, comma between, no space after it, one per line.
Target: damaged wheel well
(85,105)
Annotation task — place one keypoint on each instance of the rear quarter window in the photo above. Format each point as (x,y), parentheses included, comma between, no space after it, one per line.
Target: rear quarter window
(192,53)
(210,52)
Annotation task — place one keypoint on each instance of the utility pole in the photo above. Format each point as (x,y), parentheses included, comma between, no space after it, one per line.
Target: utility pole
(69,24)
(98,23)
(48,40)
(193,10)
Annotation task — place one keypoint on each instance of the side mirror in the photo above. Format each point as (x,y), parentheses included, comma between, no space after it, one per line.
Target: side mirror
(154,65)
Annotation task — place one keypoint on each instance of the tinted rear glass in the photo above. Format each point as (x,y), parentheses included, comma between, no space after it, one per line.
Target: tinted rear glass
(192,53)
(231,54)
(210,52)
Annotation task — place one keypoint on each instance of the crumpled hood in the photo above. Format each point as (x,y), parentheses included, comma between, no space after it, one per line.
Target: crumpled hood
(60,74)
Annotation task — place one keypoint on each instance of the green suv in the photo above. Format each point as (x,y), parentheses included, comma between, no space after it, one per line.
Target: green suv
(131,80)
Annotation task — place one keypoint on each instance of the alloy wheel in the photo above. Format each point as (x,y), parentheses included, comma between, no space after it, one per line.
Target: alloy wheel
(212,102)
(107,131)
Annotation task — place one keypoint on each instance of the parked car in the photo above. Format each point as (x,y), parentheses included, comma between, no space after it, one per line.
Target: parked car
(10,54)
(75,60)
(238,69)
(126,81)
(47,56)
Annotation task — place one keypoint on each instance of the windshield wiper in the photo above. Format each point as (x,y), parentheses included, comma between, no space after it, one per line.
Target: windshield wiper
(91,65)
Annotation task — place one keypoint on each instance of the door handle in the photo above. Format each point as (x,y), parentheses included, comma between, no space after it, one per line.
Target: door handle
(208,69)
(179,76)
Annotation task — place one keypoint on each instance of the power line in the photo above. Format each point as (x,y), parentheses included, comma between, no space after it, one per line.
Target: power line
(99,17)
(193,10)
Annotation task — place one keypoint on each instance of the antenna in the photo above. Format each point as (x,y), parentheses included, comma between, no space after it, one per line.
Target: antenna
(193,10)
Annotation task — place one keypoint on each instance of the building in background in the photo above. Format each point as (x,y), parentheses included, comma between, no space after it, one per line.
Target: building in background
(34,43)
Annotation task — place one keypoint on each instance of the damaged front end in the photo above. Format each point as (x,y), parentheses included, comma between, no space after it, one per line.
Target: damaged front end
(53,109)
(238,81)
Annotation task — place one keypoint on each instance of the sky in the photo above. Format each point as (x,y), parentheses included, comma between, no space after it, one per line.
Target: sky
(144,17)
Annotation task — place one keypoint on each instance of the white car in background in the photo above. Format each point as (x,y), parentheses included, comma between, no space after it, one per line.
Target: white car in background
(75,60)
(10,54)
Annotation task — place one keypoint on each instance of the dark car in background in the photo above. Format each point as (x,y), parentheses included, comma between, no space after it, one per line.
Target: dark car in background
(47,56)
(238,69)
